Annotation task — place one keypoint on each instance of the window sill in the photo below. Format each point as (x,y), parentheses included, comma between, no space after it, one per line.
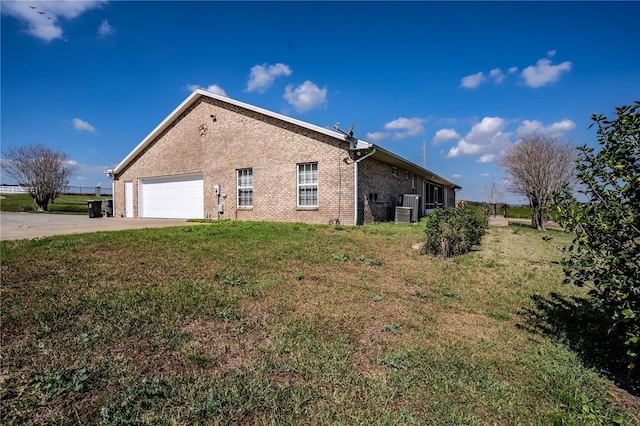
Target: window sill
(244,209)
(307,209)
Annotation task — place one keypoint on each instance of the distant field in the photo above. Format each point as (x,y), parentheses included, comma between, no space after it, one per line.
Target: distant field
(288,324)
(519,212)
(69,204)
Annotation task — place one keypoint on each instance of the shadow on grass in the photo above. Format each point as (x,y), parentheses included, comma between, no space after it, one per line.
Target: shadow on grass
(584,328)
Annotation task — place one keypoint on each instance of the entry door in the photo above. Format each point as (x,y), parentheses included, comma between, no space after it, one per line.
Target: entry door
(128,199)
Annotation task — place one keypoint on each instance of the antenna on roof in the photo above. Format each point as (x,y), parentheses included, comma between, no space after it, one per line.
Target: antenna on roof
(348,133)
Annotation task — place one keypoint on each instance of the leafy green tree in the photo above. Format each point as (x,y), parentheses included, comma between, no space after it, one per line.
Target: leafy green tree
(605,253)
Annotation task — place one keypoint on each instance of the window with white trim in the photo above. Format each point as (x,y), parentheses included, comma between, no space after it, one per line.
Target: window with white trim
(308,185)
(245,187)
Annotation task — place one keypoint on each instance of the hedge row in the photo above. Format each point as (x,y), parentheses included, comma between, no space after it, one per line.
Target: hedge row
(453,231)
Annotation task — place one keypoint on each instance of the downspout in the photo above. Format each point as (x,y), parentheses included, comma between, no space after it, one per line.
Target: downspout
(113,195)
(112,177)
(355,186)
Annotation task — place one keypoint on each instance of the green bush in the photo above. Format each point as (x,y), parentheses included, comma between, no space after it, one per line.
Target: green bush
(605,252)
(452,232)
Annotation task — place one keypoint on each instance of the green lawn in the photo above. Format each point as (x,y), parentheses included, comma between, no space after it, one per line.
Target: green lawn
(265,323)
(68,204)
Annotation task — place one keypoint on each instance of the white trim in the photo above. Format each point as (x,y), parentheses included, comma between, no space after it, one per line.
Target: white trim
(310,185)
(238,188)
(128,198)
(191,99)
(354,143)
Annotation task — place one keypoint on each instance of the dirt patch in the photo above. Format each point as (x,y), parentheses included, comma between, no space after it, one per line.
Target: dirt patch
(468,324)
(229,345)
(145,358)
(372,343)
(282,379)
(627,401)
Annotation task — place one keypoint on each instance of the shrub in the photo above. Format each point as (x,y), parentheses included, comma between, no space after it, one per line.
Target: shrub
(605,252)
(452,232)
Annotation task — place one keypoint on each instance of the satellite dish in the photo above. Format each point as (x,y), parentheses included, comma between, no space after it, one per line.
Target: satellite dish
(348,133)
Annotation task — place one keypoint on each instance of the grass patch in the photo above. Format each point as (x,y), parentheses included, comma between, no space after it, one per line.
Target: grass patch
(249,322)
(67,204)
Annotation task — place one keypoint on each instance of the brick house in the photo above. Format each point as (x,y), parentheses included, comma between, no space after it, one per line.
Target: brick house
(215,157)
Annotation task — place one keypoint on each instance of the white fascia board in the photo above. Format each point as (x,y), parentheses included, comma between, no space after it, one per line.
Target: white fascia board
(360,144)
(268,113)
(159,129)
(395,159)
(197,94)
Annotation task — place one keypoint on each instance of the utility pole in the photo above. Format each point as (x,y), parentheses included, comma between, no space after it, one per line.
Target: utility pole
(424,154)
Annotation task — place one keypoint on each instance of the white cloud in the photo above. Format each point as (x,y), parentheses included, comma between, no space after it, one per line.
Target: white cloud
(213,88)
(443,135)
(464,148)
(544,72)
(487,158)
(472,81)
(456,176)
(487,128)
(80,124)
(497,75)
(562,126)
(488,139)
(42,18)
(554,129)
(376,136)
(512,70)
(306,96)
(105,29)
(529,126)
(551,53)
(485,174)
(405,127)
(262,76)
(485,138)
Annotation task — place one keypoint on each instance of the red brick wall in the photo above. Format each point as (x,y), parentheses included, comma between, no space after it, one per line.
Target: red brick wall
(238,139)
(379,188)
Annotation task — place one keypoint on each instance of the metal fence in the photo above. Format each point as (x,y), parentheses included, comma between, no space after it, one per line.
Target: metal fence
(71,190)
(12,189)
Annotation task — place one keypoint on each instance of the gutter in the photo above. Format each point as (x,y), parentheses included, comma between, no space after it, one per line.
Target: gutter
(355,186)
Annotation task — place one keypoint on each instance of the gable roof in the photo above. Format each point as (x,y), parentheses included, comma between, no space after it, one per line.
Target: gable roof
(357,144)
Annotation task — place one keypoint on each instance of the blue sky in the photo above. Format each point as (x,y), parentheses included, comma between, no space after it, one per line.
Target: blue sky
(464,79)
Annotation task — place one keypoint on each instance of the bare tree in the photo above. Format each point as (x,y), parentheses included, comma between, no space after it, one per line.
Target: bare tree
(494,193)
(539,165)
(42,171)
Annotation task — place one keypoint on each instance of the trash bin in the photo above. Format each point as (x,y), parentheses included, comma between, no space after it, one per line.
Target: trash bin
(95,208)
(108,208)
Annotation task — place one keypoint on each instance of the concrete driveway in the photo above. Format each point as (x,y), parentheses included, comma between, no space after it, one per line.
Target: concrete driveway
(16,226)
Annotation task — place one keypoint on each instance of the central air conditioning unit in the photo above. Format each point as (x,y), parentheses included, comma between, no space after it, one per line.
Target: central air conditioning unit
(413,201)
(403,214)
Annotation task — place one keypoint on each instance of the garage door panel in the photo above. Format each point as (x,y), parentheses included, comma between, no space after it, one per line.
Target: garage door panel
(176,197)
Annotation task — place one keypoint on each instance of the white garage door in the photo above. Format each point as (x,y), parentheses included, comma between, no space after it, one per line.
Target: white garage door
(176,197)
